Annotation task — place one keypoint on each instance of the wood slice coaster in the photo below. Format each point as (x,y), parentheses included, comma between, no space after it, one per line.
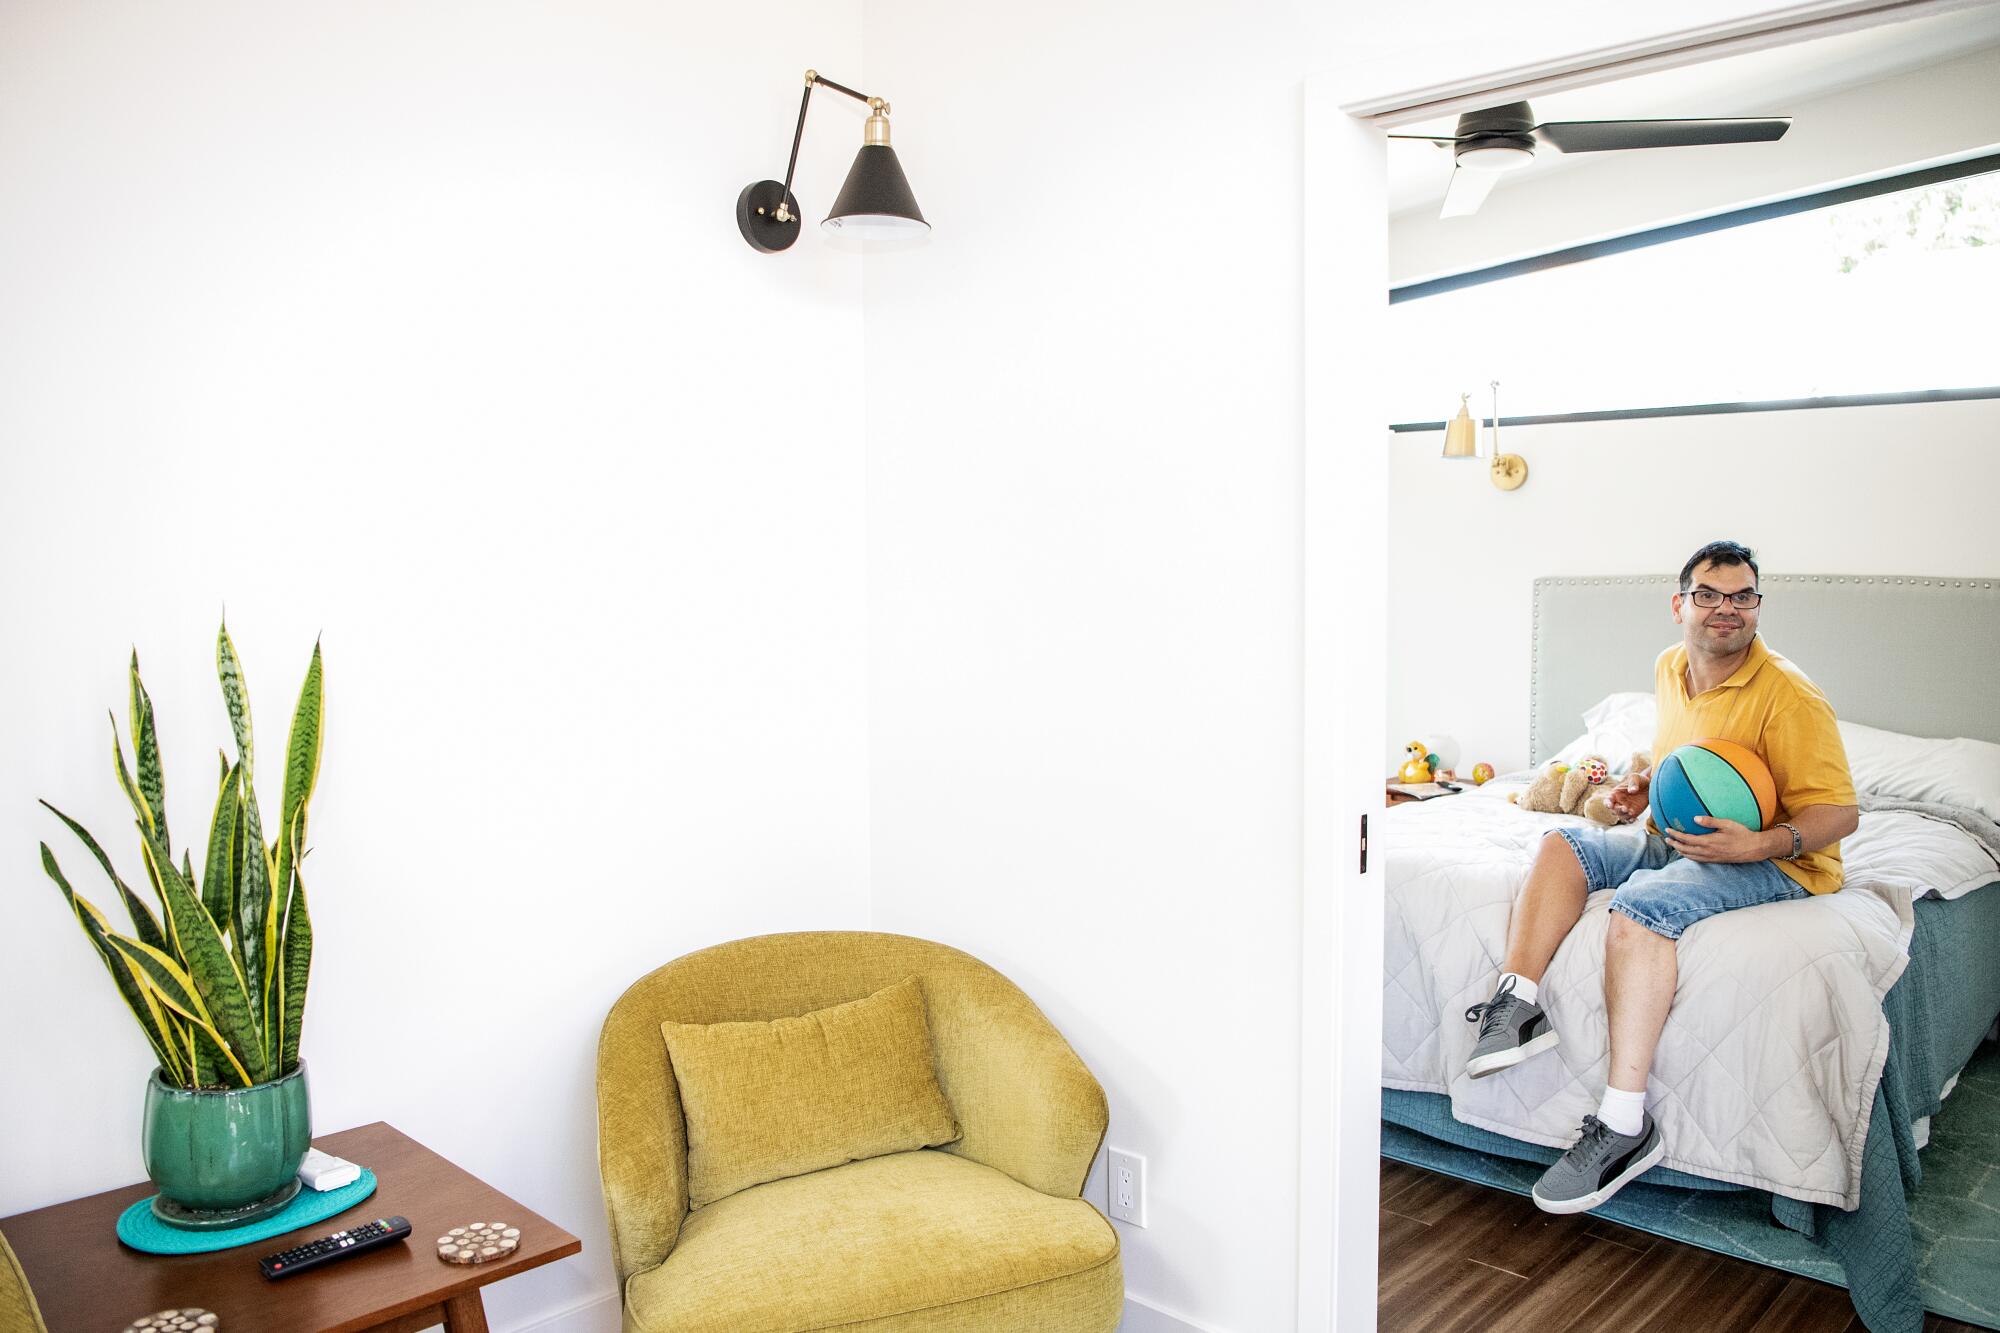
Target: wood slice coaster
(176,1321)
(477,1242)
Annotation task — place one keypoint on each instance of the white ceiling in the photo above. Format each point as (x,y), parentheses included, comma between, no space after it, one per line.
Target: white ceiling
(1761,83)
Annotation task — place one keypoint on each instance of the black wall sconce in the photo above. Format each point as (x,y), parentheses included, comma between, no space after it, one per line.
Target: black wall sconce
(874,205)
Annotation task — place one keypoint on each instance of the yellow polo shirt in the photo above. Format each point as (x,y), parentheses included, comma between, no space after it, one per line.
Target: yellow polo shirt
(1770,706)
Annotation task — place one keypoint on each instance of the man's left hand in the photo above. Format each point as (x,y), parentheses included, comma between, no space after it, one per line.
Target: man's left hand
(1728,843)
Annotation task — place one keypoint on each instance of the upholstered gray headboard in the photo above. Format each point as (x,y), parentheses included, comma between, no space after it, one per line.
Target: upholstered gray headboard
(1910,654)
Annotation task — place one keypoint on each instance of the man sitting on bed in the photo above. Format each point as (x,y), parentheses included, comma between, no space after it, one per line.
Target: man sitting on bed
(1720,681)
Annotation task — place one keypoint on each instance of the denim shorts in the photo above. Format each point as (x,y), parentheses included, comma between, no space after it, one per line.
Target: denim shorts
(1663,890)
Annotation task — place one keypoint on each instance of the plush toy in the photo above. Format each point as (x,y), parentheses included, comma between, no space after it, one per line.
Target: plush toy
(1562,789)
(1417,768)
(1598,806)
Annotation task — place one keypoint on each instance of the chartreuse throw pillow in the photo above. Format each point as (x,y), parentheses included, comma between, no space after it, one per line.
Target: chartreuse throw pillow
(764,1101)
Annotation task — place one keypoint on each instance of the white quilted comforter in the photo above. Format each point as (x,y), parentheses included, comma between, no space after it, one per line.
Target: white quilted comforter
(1766,1072)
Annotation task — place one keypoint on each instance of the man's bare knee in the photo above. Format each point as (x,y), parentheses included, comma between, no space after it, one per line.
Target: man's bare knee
(1623,933)
(1558,857)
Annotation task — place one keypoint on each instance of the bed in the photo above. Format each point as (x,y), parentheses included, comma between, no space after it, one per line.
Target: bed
(1824,1033)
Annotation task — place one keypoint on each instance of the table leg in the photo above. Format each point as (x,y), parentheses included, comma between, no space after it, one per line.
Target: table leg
(465,1313)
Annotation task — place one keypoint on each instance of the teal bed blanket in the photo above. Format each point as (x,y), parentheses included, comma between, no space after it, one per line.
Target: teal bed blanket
(1938,1011)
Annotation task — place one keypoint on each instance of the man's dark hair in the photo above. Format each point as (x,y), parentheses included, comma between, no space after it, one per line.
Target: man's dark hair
(1718,553)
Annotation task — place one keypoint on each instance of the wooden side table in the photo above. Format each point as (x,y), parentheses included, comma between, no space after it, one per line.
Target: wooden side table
(85,1280)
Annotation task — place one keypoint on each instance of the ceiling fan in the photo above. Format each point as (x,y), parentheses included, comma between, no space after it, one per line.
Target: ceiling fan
(1500,139)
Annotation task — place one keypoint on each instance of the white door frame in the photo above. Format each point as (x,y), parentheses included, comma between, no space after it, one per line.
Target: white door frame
(1345,554)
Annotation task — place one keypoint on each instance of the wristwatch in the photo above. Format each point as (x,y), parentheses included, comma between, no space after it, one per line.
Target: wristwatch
(1798,844)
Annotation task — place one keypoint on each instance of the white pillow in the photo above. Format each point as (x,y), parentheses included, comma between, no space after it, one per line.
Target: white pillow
(1959,772)
(1631,710)
(1616,726)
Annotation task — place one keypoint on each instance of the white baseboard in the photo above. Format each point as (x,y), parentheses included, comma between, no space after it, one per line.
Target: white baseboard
(1143,1318)
(598,1314)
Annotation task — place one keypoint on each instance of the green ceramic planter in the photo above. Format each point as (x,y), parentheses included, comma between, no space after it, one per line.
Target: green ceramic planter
(224,1158)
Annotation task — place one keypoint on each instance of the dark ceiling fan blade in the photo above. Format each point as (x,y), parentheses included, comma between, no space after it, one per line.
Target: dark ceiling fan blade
(1604,136)
(1437,139)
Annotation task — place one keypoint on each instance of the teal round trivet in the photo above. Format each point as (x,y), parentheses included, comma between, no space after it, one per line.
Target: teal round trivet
(138,1227)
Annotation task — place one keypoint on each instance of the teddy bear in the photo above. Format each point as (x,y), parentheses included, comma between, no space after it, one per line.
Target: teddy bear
(1599,807)
(1562,789)
(1583,788)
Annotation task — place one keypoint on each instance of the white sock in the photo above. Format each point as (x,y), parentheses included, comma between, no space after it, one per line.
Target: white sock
(1623,1111)
(1526,989)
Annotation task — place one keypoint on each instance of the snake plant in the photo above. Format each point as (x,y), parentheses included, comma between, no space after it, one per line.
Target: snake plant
(217,976)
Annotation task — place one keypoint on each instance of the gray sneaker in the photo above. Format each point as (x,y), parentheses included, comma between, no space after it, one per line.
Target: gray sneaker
(1510,1030)
(1598,1165)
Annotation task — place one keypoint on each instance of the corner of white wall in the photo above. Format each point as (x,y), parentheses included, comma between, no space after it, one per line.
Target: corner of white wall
(430,328)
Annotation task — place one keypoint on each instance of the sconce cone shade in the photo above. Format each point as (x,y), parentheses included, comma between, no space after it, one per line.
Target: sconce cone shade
(876,204)
(1461,437)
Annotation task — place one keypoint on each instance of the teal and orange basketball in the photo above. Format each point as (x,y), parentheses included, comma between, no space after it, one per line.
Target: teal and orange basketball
(1712,777)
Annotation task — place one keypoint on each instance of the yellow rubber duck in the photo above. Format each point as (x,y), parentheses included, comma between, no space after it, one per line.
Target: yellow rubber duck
(1417,768)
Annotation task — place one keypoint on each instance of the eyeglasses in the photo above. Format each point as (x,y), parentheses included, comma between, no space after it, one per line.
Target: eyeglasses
(1708,598)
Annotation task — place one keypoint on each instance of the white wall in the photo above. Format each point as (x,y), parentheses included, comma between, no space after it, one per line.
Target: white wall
(1945,110)
(458,283)
(1862,490)
(429,329)
(1084,460)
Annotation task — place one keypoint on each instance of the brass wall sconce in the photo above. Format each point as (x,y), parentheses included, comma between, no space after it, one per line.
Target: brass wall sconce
(1461,440)
(875,203)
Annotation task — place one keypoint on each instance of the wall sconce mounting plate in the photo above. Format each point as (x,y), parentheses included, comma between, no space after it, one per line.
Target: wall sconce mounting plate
(1509,471)
(759,219)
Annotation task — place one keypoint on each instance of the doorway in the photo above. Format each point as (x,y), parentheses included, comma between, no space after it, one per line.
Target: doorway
(1346,479)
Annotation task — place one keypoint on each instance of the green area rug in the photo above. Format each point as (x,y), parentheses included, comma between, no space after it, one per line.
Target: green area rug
(1954,1218)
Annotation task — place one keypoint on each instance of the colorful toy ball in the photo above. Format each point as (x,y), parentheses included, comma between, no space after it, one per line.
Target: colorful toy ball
(1482,774)
(1595,771)
(1717,778)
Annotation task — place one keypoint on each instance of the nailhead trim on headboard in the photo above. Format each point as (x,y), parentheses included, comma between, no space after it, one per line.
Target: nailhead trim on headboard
(1666,582)
(1535,638)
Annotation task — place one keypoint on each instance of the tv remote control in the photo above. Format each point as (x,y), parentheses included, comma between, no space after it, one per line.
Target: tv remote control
(339,1245)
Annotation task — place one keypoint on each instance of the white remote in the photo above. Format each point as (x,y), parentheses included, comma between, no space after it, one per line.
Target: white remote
(323,1171)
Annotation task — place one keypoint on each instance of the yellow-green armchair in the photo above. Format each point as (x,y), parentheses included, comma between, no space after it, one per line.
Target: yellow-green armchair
(985,1235)
(18,1311)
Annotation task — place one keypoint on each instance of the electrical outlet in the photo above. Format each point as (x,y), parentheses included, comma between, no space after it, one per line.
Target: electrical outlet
(1126,1187)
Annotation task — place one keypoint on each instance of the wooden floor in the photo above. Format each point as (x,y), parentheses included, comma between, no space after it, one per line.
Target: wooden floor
(1457,1256)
